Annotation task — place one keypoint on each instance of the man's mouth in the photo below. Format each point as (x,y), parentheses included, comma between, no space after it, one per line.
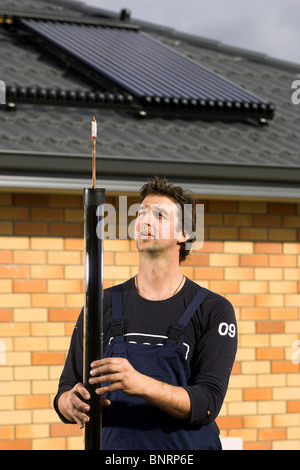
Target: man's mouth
(146,236)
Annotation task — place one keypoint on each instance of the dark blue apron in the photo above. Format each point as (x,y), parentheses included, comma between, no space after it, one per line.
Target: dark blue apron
(130,422)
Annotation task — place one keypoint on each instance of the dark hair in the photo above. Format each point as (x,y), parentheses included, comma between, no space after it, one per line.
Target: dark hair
(163,187)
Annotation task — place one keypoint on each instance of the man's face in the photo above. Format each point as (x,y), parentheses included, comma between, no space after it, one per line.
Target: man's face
(157,226)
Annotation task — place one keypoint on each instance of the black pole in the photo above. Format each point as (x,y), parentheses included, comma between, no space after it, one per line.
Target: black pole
(93,319)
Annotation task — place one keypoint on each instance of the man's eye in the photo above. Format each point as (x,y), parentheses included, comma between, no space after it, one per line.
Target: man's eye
(159,215)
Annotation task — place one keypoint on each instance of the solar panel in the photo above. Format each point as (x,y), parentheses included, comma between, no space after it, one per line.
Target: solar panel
(140,64)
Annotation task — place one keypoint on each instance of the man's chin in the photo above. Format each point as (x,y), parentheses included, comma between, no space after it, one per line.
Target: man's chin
(146,244)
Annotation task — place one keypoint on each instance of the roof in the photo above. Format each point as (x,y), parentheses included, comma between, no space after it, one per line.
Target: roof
(45,132)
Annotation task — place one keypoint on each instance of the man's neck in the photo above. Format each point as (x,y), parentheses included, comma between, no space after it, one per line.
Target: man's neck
(158,279)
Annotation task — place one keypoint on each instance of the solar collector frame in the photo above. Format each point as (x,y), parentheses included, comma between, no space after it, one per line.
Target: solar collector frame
(140,64)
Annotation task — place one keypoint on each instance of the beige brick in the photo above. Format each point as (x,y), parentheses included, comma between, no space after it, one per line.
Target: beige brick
(47,272)
(239,381)
(15,417)
(14,300)
(218,259)
(286,393)
(7,403)
(74,443)
(254,287)
(48,300)
(283,287)
(258,341)
(17,358)
(44,387)
(59,343)
(268,274)
(47,329)
(116,245)
(269,300)
(54,443)
(10,389)
(45,243)
(294,433)
(271,407)
(292,326)
(224,287)
(282,340)
(30,314)
(292,300)
(245,354)
(127,259)
(7,373)
(74,272)
(242,408)
(29,257)
(291,248)
(257,421)
(239,274)
(63,286)
(286,445)
(55,372)
(291,274)
(31,372)
(32,431)
(234,395)
(74,301)
(293,380)
(286,313)
(286,419)
(14,243)
(256,367)
(116,272)
(14,329)
(30,344)
(238,247)
(44,416)
(6,286)
(64,257)
(271,380)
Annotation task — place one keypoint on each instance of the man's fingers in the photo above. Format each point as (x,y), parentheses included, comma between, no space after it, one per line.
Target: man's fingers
(82,391)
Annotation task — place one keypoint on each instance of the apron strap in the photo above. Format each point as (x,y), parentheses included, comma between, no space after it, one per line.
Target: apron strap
(177,329)
(117,312)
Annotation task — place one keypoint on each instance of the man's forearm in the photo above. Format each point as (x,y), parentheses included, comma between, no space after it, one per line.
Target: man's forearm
(172,399)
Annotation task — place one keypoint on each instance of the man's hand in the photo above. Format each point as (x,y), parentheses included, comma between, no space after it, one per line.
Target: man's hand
(122,376)
(120,373)
(73,406)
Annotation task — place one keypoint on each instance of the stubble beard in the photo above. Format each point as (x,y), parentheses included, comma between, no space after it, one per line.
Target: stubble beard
(153,249)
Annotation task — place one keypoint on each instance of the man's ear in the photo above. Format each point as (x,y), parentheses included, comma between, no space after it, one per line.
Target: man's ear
(184,237)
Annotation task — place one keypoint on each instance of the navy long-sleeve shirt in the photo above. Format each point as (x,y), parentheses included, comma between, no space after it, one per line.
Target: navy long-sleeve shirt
(210,341)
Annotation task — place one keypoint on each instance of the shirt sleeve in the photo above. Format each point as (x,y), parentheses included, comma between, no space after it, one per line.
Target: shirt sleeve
(213,358)
(73,369)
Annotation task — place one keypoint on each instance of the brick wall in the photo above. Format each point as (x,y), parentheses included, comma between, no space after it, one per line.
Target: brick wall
(251,256)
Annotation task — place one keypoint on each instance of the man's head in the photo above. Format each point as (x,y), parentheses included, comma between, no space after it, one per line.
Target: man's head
(172,213)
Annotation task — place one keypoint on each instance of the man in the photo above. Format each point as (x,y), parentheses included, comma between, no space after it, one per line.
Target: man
(170,350)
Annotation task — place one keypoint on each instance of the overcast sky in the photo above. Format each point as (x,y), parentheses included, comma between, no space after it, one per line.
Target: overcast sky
(268,26)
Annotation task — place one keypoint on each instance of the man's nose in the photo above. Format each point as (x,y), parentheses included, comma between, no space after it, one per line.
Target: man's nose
(145,220)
